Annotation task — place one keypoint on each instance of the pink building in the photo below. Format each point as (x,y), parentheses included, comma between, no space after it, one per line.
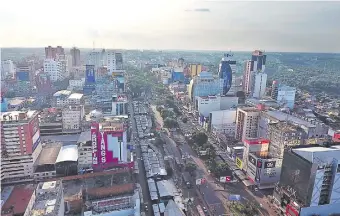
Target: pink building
(109,145)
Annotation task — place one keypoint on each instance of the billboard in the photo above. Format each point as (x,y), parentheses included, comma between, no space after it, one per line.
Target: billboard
(94,145)
(269,164)
(239,163)
(112,202)
(90,74)
(23,75)
(252,160)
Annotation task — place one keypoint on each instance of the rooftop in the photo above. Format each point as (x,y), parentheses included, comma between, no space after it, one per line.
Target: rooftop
(284,126)
(18,199)
(16,101)
(75,96)
(84,137)
(319,154)
(48,199)
(21,115)
(173,210)
(286,117)
(48,155)
(62,93)
(68,153)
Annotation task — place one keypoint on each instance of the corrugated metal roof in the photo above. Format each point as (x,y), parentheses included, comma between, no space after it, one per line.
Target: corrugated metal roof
(68,153)
(173,210)
(49,155)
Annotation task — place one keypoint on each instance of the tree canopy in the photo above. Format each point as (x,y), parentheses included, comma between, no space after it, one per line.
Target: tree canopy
(200,138)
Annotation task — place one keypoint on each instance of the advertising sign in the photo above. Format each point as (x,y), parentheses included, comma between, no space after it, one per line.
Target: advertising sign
(102,148)
(269,164)
(239,163)
(94,146)
(225,179)
(112,202)
(200,181)
(252,160)
(234,197)
(36,140)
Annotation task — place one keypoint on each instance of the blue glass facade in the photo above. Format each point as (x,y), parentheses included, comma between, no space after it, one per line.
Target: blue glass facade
(178,76)
(226,74)
(4,105)
(204,85)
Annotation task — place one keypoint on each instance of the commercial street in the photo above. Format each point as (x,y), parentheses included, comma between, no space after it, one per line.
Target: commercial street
(142,173)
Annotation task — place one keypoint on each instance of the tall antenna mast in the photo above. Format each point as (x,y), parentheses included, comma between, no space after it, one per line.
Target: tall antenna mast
(93,45)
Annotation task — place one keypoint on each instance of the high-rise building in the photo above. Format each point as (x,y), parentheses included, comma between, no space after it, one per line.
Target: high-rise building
(226,72)
(54,69)
(114,62)
(52,52)
(247,122)
(90,76)
(195,69)
(8,69)
(247,77)
(43,83)
(310,180)
(98,59)
(72,117)
(259,83)
(20,145)
(75,53)
(204,85)
(283,135)
(119,105)
(275,88)
(24,72)
(253,67)
(254,145)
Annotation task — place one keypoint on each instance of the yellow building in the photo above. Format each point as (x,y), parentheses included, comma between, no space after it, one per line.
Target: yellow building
(195,69)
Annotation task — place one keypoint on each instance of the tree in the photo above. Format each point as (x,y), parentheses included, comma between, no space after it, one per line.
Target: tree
(190,167)
(200,138)
(166,113)
(185,120)
(170,123)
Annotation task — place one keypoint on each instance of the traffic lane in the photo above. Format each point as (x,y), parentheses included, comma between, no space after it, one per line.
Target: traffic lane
(143,182)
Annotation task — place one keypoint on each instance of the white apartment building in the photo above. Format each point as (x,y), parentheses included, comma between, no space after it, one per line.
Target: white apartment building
(54,69)
(84,150)
(259,83)
(77,84)
(72,117)
(114,62)
(20,145)
(246,122)
(65,97)
(8,68)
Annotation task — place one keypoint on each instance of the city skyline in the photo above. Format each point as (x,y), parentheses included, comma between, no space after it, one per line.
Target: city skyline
(191,25)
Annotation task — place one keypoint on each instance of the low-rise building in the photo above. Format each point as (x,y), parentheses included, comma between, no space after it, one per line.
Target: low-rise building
(48,200)
(247,123)
(84,151)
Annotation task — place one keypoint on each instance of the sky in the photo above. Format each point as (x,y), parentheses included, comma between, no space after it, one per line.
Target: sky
(300,26)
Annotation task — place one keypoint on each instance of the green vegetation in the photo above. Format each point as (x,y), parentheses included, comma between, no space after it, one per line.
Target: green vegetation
(190,167)
(249,209)
(170,123)
(200,138)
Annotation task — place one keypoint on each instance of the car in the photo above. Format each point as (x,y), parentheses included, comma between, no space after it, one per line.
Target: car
(205,210)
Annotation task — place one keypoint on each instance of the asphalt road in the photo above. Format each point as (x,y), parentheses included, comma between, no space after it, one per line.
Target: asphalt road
(231,188)
(142,173)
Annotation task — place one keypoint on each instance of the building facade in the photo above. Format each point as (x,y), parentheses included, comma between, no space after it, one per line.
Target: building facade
(8,69)
(258,146)
(204,85)
(72,117)
(247,123)
(53,52)
(96,58)
(20,145)
(259,83)
(286,96)
(310,180)
(114,62)
(54,69)
(226,72)
(109,144)
(283,135)
(75,53)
